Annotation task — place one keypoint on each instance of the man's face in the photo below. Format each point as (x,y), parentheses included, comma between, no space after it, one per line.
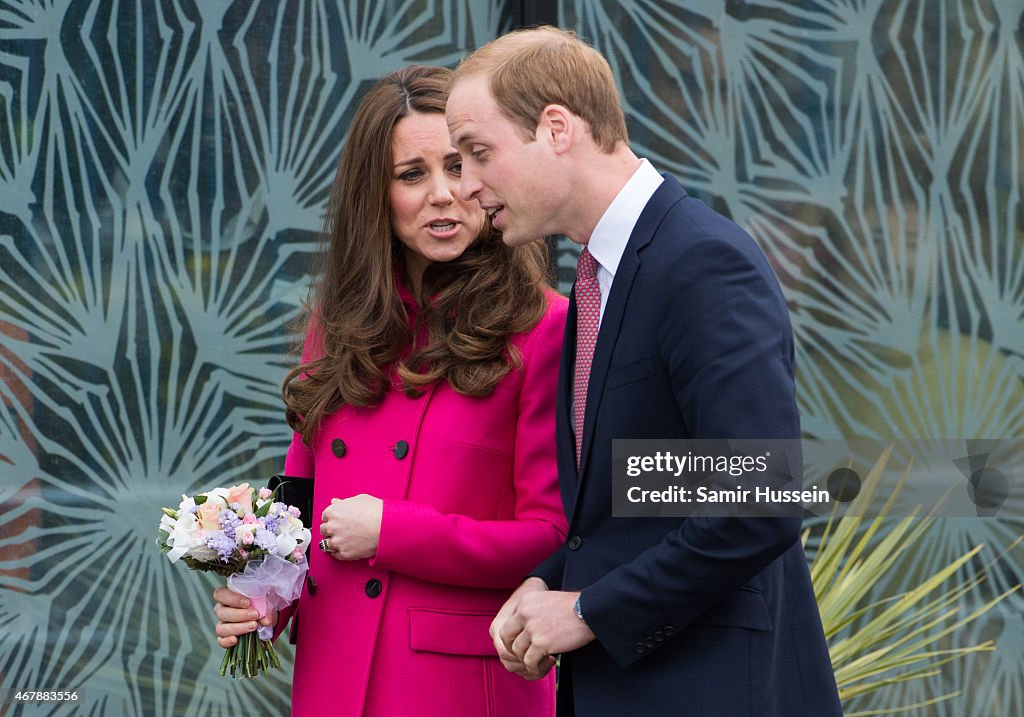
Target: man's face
(509,177)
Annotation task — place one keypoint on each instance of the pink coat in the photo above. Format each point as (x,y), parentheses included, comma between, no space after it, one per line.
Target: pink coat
(471,506)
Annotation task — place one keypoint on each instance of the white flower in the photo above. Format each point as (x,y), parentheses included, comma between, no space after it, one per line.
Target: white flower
(218,495)
(189,539)
(290,534)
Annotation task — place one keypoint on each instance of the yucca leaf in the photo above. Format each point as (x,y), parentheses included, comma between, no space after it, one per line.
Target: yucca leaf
(883,642)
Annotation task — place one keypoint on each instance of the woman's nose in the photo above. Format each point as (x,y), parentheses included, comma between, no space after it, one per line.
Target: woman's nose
(442,193)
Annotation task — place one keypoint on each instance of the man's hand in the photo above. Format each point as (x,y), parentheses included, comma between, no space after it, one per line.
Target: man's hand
(539,626)
(510,661)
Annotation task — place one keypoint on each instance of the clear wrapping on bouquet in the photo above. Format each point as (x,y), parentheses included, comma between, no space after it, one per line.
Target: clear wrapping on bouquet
(270,584)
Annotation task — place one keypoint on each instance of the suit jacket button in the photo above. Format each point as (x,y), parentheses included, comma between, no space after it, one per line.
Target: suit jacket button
(401,450)
(669,631)
(338,448)
(640,648)
(311,585)
(650,642)
(659,636)
(575,542)
(373,588)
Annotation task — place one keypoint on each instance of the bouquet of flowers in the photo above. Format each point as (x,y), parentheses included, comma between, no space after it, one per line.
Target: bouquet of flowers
(257,543)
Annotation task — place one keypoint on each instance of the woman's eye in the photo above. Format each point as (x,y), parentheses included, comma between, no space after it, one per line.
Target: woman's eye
(411,175)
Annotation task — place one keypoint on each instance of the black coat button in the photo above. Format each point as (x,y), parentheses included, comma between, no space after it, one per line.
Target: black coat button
(401,450)
(311,584)
(669,631)
(659,636)
(650,642)
(575,542)
(640,648)
(374,587)
(293,631)
(338,448)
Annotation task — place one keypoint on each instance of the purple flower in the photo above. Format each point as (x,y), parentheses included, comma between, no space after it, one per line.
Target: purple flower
(229,521)
(266,540)
(220,542)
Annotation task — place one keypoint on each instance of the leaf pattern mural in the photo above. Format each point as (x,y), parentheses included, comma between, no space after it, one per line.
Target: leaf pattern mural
(163,169)
(163,172)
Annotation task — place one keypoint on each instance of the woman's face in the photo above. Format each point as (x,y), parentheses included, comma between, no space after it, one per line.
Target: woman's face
(427,214)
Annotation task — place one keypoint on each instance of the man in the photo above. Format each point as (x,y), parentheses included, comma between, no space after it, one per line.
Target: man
(652,616)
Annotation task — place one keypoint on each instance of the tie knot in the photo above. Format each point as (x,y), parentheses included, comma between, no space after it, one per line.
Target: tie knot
(586,266)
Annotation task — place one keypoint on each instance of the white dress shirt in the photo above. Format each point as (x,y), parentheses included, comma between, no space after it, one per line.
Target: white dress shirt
(611,234)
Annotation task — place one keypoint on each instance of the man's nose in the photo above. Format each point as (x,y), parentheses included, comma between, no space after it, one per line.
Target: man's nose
(469,185)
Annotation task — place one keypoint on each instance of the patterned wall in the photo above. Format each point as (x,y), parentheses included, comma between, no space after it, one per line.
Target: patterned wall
(163,166)
(163,169)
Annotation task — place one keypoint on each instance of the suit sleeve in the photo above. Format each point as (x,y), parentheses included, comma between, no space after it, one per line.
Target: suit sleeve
(727,347)
(552,569)
(493,553)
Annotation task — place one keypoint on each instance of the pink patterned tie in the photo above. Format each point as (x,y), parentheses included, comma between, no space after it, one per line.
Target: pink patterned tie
(588,320)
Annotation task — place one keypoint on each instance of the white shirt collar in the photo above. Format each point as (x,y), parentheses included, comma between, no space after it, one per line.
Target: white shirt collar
(609,238)
(611,234)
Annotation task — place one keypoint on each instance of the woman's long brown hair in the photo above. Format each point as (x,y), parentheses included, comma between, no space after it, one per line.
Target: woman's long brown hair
(356,327)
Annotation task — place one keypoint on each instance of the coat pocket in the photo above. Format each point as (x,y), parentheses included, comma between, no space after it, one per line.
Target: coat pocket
(630,372)
(743,608)
(450,632)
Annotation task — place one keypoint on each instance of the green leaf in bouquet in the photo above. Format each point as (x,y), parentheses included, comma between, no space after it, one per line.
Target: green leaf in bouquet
(200,499)
(264,509)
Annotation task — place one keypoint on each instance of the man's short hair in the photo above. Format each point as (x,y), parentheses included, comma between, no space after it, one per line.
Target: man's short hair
(532,68)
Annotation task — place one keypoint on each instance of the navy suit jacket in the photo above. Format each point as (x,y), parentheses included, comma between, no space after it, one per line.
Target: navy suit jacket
(693,616)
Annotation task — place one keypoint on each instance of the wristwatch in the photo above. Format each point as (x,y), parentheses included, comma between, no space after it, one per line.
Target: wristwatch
(577,609)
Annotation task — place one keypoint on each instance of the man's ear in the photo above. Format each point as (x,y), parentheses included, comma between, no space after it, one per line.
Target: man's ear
(557,127)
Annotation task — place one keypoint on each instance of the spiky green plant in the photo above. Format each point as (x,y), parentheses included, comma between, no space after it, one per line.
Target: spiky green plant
(875,644)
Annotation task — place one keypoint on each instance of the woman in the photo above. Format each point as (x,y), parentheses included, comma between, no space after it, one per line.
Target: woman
(425,408)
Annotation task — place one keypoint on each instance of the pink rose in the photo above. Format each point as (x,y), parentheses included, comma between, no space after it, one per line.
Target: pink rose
(208,515)
(247,538)
(241,494)
(248,519)
(265,493)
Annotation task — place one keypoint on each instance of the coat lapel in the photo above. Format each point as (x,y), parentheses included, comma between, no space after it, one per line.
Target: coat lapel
(668,194)
(563,406)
